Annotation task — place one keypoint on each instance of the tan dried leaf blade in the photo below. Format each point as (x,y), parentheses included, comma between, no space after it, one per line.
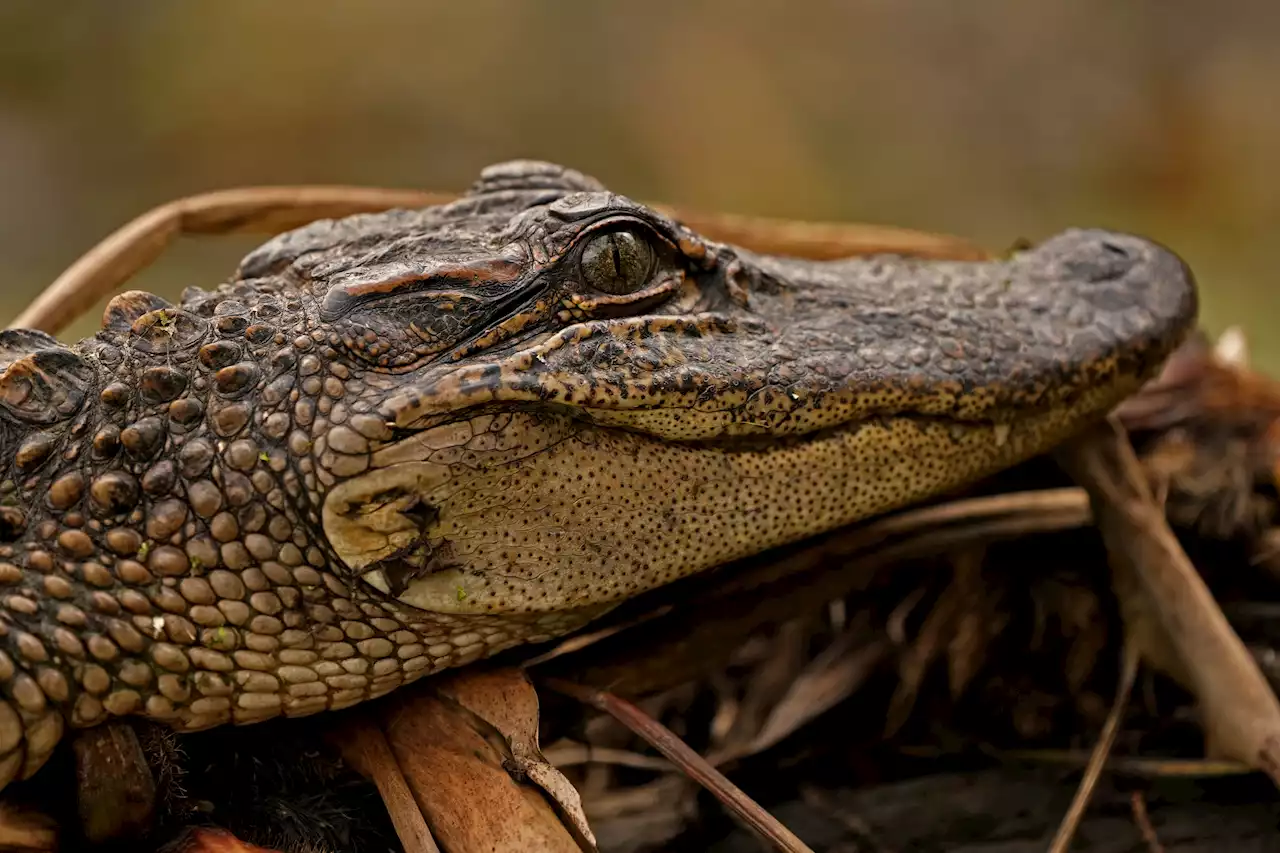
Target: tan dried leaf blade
(506,700)
(457,762)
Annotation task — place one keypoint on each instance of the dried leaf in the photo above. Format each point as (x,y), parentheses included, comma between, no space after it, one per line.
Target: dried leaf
(506,700)
(209,840)
(466,746)
(115,790)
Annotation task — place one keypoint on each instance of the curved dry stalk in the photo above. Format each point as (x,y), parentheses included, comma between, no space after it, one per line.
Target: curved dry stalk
(1170,614)
(272,210)
(693,765)
(364,746)
(247,210)
(1071,820)
(824,241)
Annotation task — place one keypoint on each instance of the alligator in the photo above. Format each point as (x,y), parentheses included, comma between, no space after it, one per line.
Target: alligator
(396,443)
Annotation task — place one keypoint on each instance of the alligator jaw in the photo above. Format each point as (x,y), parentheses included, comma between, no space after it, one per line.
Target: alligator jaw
(852,388)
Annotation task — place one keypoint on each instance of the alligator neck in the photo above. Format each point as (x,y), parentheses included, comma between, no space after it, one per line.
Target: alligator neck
(159,552)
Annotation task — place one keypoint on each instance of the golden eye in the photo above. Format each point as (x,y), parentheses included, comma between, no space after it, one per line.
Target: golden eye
(618,262)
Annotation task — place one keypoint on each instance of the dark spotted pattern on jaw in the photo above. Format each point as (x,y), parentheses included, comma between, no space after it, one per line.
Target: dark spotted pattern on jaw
(397,443)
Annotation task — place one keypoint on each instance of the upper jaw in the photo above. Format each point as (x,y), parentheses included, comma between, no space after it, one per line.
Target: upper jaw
(821,344)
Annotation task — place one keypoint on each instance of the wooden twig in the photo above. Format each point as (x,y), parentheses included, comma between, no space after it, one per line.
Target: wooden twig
(1177,626)
(695,766)
(1071,821)
(247,210)
(365,748)
(1143,820)
(272,210)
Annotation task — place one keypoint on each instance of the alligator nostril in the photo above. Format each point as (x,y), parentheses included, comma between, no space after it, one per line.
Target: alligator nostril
(1103,261)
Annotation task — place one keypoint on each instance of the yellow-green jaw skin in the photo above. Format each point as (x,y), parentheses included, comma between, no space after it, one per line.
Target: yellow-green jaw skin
(547,514)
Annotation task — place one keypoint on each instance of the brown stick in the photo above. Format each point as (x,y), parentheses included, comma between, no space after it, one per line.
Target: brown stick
(272,210)
(1098,760)
(365,748)
(695,766)
(1240,713)
(251,210)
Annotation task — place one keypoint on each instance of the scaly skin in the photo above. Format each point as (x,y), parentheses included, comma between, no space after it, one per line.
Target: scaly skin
(397,443)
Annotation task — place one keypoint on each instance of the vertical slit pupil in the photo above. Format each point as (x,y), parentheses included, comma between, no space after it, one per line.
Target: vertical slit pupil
(617,256)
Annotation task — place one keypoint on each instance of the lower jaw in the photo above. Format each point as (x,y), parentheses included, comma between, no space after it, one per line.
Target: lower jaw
(549,514)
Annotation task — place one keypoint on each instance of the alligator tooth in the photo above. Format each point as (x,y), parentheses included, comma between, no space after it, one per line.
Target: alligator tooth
(1002,434)
(377,579)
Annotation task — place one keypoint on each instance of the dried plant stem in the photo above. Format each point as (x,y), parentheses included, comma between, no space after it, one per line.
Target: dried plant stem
(272,210)
(692,764)
(1098,760)
(365,747)
(247,210)
(1171,616)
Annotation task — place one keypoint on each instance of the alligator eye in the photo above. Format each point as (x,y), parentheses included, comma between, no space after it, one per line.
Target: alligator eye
(618,262)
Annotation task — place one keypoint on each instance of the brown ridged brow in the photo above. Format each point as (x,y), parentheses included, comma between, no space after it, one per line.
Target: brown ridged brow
(499,270)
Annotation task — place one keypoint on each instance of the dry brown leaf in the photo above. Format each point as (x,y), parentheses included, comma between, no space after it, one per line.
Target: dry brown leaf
(506,700)
(456,742)
(115,790)
(209,840)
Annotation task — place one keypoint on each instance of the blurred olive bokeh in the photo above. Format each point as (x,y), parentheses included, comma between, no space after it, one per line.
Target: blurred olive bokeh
(994,119)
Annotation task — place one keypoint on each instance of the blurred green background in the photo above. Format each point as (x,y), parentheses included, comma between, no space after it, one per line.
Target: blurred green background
(993,119)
